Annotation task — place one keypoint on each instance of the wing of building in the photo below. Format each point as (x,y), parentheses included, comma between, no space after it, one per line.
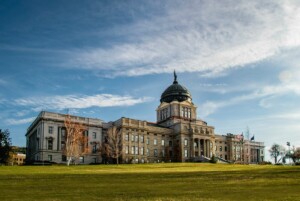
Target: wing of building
(177,136)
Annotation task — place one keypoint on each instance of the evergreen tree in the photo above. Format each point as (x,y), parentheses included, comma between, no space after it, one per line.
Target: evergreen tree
(5,143)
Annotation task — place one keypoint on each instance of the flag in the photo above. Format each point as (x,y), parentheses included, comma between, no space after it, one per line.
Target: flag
(252,138)
(240,137)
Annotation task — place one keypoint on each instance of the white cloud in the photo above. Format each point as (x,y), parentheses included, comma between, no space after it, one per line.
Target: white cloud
(19,121)
(209,37)
(79,102)
(266,94)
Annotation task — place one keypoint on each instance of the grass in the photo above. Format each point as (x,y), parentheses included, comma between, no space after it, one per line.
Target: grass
(169,181)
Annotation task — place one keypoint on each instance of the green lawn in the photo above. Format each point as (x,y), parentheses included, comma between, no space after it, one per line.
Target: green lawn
(170,181)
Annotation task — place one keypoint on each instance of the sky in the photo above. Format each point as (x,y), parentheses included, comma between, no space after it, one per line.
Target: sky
(111,59)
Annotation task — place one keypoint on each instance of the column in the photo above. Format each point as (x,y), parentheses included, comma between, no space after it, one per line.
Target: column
(193,148)
(204,147)
(199,149)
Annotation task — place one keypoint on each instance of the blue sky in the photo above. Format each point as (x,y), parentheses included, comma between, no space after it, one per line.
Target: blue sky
(108,59)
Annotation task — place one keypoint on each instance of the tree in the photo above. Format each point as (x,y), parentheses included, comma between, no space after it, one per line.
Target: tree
(5,146)
(113,143)
(276,151)
(294,154)
(76,143)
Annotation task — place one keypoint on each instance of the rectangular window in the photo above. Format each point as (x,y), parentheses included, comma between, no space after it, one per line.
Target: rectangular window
(185,142)
(94,135)
(49,157)
(225,157)
(142,139)
(186,153)
(136,150)
(63,158)
(136,138)
(225,148)
(94,149)
(155,141)
(127,137)
(81,159)
(148,152)
(155,152)
(147,140)
(220,148)
(50,144)
(132,150)
(63,134)
(126,149)
(50,129)
(142,151)
(63,145)
(163,153)
(170,143)
(162,142)
(132,138)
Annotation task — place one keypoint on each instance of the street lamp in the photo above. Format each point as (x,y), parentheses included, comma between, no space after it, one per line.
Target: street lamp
(289,145)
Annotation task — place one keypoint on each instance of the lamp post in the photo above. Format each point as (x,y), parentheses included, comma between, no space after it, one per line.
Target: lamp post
(289,145)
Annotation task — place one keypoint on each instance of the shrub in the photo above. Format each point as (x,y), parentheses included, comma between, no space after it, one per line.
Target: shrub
(213,159)
(265,163)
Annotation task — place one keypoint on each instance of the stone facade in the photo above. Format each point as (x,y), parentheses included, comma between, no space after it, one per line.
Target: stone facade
(177,136)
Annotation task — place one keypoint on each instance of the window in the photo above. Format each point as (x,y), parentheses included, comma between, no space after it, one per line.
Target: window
(142,139)
(142,151)
(155,141)
(94,135)
(132,138)
(49,157)
(225,157)
(127,137)
(162,142)
(126,149)
(155,152)
(225,148)
(136,138)
(136,150)
(63,158)
(94,149)
(81,159)
(185,153)
(132,150)
(148,152)
(163,153)
(50,144)
(220,148)
(170,143)
(147,142)
(63,145)
(50,129)
(185,142)
(63,134)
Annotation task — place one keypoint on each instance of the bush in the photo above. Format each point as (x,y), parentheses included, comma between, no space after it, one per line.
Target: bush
(297,163)
(213,159)
(265,163)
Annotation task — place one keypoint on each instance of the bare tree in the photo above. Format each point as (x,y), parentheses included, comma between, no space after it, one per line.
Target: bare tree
(276,151)
(76,141)
(113,143)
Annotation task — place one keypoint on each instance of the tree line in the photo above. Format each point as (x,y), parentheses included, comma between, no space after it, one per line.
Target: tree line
(281,154)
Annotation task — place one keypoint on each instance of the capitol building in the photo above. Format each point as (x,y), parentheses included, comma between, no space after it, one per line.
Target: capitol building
(177,136)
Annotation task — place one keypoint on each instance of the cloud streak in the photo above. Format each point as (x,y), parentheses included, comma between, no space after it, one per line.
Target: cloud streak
(265,94)
(79,102)
(209,37)
(19,121)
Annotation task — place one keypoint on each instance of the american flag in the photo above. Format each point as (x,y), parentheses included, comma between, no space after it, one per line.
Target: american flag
(240,137)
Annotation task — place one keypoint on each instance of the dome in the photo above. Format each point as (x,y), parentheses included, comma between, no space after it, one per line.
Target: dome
(175,92)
